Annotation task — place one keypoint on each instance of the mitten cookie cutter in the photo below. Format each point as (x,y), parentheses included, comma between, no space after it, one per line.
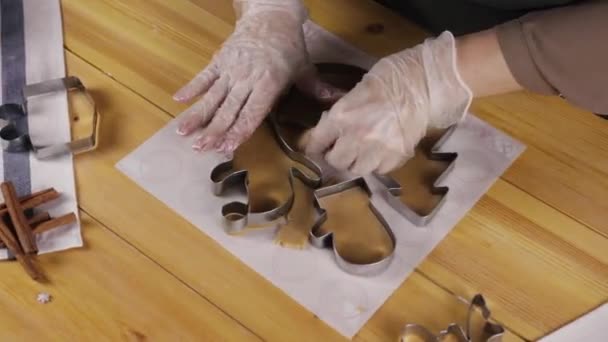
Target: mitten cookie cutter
(237,215)
(394,189)
(491,332)
(14,140)
(326,240)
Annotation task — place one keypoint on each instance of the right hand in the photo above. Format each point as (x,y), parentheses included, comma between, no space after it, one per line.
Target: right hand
(255,65)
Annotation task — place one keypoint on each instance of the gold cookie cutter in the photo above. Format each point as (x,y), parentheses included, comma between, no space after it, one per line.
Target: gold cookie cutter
(15,139)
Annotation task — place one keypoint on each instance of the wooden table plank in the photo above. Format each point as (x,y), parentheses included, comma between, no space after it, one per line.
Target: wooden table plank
(531,261)
(258,304)
(160,233)
(107,290)
(223,280)
(564,164)
(418,301)
(150,79)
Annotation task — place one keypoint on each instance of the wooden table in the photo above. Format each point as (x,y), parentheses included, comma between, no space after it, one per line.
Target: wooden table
(536,245)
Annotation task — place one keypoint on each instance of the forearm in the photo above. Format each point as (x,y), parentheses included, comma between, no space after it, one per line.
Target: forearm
(482,65)
(560,51)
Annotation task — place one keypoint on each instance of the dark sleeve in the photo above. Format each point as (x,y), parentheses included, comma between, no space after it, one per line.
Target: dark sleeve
(561,51)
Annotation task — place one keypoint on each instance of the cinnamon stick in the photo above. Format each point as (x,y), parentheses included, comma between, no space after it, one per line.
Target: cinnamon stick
(23,229)
(34,222)
(25,260)
(7,237)
(38,219)
(41,199)
(28,264)
(33,200)
(26,198)
(54,223)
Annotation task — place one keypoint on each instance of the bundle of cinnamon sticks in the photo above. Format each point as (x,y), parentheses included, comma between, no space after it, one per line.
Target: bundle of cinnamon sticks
(19,226)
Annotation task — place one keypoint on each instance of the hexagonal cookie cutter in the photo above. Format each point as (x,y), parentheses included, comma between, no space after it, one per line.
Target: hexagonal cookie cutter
(394,189)
(326,240)
(237,215)
(492,332)
(13,140)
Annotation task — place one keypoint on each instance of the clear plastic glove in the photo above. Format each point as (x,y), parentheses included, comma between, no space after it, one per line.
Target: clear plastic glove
(265,53)
(376,126)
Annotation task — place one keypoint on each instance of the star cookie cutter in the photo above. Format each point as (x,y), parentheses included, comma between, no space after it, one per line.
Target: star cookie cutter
(490,332)
(326,240)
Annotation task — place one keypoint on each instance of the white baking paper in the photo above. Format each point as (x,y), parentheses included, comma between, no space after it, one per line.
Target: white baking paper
(48,118)
(167,168)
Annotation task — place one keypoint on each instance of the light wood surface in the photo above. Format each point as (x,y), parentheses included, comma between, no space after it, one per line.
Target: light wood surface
(536,245)
(108,291)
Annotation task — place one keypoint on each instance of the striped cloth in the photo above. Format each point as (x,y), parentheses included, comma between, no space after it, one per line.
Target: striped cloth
(31,51)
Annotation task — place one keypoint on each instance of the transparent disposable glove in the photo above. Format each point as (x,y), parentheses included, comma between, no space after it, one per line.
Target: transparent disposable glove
(263,56)
(376,126)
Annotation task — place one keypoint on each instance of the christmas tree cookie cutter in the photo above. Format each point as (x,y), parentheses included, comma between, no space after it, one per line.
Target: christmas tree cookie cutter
(489,332)
(394,189)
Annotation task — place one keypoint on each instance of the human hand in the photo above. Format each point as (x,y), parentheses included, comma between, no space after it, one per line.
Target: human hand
(377,125)
(265,53)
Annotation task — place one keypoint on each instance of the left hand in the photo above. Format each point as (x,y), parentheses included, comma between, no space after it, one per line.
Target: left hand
(377,125)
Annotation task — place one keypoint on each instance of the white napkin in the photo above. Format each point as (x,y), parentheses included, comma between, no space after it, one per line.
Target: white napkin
(167,168)
(31,51)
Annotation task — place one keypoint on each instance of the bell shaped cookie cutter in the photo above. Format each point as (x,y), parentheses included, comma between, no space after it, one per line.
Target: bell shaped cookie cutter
(14,140)
(491,332)
(326,240)
(394,189)
(237,215)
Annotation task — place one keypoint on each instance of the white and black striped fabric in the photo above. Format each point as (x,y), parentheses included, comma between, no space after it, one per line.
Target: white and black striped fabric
(31,51)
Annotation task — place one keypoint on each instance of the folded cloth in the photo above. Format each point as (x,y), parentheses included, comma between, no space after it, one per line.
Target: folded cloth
(31,51)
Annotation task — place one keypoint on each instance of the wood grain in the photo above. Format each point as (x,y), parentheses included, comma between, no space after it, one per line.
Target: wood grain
(564,162)
(526,258)
(223,279)
(537,238)
(199,261)
(107,291)
(418,301)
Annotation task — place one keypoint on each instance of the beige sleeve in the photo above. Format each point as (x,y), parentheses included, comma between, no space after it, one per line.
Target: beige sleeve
(561,51)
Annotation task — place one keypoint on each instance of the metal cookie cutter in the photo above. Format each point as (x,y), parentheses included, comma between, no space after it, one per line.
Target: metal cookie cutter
(237,215)
(326,240)
(15,140)
(394,189)
(490,332)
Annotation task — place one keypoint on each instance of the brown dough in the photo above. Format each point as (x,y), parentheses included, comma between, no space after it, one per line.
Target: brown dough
(300,220)
(296,113)
(418,175)
(301,111)
(268,170)
(358,236)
